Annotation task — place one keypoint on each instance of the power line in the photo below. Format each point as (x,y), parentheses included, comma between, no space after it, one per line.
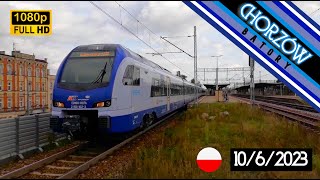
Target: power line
(314,11)
(177,47)
(166,46)
(133,33)
(134,17)
(177,36)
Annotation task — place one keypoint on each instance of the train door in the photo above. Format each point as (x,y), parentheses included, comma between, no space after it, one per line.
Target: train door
(136,94)
(168,93)
(124,94)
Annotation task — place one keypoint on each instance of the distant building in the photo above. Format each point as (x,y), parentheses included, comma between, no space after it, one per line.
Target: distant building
(23,84)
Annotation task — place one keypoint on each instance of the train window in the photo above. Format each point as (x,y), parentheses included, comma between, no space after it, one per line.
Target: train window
(176,89)
(163,88)
(131,76)
(172,87)
(136,76)
(128,75)
(156,88)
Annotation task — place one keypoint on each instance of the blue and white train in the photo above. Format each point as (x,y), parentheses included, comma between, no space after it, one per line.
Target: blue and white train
(108,88)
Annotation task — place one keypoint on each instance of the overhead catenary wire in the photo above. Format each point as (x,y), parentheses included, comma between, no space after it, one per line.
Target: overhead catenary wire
(314,11)
(166,46)
(103,11)
(134,17)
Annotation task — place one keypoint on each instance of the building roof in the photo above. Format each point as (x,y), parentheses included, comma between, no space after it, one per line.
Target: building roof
(213,86)
(259,85)
(12,56)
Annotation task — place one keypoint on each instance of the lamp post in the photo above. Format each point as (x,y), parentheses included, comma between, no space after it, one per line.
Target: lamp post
(217,89)
(217,71)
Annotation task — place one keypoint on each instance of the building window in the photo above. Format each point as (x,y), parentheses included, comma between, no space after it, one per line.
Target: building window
(43,87)
(1,69)
(21,86)
(43,102)
(29,86)
(9,69)
(30,103)
(43,73)
(21,103)
(51,85)
(9,103)
(37,101)
(37,72)
(0,85)
(29,71)
(9,85)
(131,76)
(38,87)
(21,70)
(0,103)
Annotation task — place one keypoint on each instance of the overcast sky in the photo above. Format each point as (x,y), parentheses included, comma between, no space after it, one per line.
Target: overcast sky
(78,23)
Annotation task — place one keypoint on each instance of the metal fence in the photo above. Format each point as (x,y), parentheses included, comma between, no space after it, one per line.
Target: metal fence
(23,134)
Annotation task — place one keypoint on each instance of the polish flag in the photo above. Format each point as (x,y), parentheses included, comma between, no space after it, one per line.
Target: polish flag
(209,159)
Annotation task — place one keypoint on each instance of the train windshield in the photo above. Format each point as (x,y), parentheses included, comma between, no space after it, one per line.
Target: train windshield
(88,68)
(80,70)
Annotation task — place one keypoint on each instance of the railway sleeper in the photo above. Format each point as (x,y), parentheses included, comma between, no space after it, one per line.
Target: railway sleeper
(59,167)
(45,174)
(72,162)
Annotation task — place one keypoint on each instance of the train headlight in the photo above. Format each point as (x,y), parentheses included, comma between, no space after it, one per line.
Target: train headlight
(107,103)
(102,104)
(58,104)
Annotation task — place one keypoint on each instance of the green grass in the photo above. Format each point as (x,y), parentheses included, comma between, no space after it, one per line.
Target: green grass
(175,155)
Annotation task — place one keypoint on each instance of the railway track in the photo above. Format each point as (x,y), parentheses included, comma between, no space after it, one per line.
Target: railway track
(70,162)
(293,103)
(308,119)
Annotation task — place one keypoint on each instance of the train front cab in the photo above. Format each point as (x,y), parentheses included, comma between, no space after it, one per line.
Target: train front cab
(85,78)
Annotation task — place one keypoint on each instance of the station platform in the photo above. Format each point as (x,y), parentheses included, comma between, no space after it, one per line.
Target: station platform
(212,99)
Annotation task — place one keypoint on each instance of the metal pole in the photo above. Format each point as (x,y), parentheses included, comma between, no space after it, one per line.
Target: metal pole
(195,61)
(217,75)
(244,80)
(28,98)
(227,76)
(260,76)
(252,80)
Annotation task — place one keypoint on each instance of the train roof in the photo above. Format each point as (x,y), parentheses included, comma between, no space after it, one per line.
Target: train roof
(128,53)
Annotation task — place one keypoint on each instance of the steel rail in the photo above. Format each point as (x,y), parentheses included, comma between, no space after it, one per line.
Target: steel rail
(86,165)
(31,167)
(101,156)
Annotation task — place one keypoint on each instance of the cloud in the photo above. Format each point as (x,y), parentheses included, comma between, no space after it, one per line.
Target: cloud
(77,23)
(311,8)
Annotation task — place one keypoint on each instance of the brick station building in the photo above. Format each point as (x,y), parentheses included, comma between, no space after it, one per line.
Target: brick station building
(25,84)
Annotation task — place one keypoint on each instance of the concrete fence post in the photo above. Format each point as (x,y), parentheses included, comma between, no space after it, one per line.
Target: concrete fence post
(38,133)
(17,138)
